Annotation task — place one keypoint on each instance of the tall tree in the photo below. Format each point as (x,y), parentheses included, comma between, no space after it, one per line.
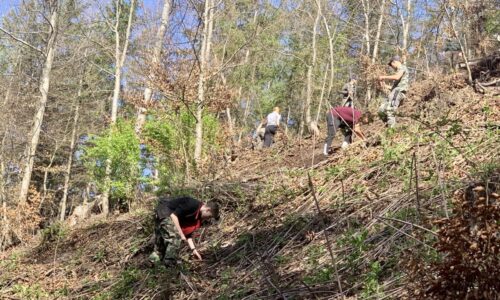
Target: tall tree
(312,64)
(203,61)
(120,55)
(31,148)
(155,60)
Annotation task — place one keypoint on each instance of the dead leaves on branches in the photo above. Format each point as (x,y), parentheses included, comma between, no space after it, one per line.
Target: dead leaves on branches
(19,223)
(469,244)
(178,85)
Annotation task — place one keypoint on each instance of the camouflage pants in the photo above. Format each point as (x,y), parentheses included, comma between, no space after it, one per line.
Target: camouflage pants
(387,110)
(167,241)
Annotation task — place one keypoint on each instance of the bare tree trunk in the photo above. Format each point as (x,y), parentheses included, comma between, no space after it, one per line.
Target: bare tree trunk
(230,123)
(427,69)
(287,120)
(331,51)
(321,96)
(245,112)
(2,181)
(204,55)
(310,67)
(44,91)
(46,174)
(302,113)
(5,124)
(120,55)
(2,172)
(148,92)
(67,174)
(406,30)
(240,90)
(379,30)
(366,14)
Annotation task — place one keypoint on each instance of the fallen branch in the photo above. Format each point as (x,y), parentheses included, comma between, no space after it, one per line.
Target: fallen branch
(407,223)
(311,186)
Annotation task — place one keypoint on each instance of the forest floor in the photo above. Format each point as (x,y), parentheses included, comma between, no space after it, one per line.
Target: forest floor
(295,224)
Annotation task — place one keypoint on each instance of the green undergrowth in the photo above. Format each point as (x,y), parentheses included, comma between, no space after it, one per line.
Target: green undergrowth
(270,238)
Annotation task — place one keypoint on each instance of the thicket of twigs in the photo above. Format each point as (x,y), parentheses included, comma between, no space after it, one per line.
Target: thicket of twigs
(469,244)
(344,233)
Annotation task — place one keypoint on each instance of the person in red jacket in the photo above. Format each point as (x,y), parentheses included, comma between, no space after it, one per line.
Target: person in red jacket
(176,220)
(344,118)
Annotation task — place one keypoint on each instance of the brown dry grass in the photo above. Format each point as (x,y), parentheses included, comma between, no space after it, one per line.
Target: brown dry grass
(270,242)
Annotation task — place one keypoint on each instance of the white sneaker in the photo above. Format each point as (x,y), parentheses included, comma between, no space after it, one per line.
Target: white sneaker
(325,150)
(345,145)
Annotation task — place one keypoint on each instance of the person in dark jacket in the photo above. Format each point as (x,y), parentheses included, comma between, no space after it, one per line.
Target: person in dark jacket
(176,220)
(344,118)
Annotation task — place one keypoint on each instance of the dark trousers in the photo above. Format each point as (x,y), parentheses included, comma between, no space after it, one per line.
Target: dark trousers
(348,102)
(269,135)
(333,125)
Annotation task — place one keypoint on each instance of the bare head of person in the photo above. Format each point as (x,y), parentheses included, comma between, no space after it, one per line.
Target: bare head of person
(210,210)
(395,62)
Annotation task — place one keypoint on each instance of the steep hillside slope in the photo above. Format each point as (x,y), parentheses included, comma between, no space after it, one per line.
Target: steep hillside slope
(295,224)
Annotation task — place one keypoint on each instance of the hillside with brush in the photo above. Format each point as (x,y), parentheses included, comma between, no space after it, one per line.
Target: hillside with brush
(127,126)
(413,213)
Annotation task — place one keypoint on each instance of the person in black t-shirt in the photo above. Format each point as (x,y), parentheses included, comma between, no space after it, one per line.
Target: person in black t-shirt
(179,217)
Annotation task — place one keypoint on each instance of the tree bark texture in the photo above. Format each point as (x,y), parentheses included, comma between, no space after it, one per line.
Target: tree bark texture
(44,92)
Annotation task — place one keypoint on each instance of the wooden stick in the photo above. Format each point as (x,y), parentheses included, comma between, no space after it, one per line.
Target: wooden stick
(440,182)
(276,288)
(406,234)
(267,278)
(417,190)
(411,174)
(311,186)
(408,223)
(309,289)
(189,283)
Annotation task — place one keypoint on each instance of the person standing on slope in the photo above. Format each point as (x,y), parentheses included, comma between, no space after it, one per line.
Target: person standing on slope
(344,118)
(273,123)
(176,220)
(399,88)
(349,91)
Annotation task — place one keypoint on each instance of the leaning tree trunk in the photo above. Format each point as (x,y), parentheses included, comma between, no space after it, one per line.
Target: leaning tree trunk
(322,95)
(2,172)
(379,31)
(62,213)
(44,91)
(120,55)
(148,92)
(204,55)
(310,67)
(366,14)
(406,30)
(331,38)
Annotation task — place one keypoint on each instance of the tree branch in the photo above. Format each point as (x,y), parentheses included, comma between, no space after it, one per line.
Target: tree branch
(21,41)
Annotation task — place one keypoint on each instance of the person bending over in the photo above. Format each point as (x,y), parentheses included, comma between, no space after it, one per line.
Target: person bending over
(176,220)
(344,118)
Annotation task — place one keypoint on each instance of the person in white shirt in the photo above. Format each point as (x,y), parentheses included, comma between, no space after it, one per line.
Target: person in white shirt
(273,122)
